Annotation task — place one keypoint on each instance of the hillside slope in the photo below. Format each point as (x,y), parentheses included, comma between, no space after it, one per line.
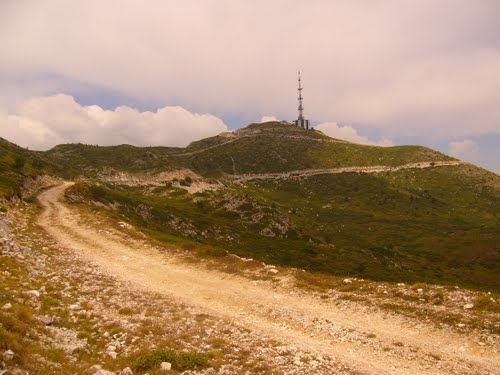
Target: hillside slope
(19,166)
(258,148)
(435,220)
(292,197)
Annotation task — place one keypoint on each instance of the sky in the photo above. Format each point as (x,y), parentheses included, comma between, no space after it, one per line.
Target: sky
(166,72)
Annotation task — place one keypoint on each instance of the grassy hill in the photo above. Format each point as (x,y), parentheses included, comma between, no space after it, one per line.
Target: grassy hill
(17,165)
(258,148)
(435,225)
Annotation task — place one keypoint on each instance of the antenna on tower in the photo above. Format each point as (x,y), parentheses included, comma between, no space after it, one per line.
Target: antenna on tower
(301,107)
(301,121)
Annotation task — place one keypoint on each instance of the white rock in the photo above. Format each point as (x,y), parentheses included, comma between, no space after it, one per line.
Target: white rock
(298,362)
(165,366)
(94,369)
(32,293)
(47,320)
(273,270)
(8,355)
(104,372)
(74,307)
(468,306)
(7,306)
(347,281)
(420,290)
(126,371)
(112,354)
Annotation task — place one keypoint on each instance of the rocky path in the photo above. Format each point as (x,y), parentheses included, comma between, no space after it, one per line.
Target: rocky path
(361,342)
(315,172)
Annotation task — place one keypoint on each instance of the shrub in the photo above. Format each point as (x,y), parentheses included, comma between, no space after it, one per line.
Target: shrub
(186,182)
(486,303)
(19,163)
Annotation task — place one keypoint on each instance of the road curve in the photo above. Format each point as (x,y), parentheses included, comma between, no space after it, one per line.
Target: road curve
(348,334)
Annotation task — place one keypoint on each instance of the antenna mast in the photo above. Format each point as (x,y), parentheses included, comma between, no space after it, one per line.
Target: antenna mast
(301,121)
(301,107)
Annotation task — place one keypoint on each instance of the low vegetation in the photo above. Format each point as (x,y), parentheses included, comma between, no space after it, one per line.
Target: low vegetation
(180,361)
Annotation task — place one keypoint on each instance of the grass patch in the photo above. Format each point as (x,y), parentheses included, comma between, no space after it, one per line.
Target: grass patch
(487,303)
(55,355)
(180,361)
(126,311)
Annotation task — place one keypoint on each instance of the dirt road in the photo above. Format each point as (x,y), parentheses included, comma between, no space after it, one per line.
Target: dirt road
(316,172)
(366,343)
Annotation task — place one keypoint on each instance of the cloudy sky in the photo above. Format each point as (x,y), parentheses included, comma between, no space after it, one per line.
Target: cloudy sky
(169,72)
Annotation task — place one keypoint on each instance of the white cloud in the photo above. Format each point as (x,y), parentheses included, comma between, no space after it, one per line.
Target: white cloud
(466,149)
(268,119)
(348,133)
(375,63)
(43,122)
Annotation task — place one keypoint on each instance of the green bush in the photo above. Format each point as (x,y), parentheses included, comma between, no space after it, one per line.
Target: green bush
(186,181)
(19,163)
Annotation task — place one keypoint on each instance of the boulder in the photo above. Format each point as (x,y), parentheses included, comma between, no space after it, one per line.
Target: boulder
(104,372)
(92,370)
(7,306)
(8,355)
(98,370)
(165,366)
(112,354)
(47,320)
(32,293)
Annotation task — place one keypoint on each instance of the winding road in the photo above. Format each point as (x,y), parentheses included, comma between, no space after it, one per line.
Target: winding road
(347,333)
(315,172)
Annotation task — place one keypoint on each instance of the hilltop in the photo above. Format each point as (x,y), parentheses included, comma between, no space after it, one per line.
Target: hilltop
(258,148)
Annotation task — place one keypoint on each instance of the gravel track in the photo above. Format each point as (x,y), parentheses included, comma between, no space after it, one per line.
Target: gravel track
(365,342)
